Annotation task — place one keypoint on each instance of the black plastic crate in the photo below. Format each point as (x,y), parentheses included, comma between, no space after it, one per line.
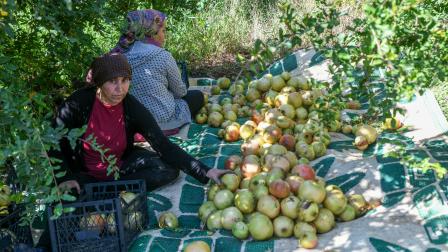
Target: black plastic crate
(12,234)
(102,221)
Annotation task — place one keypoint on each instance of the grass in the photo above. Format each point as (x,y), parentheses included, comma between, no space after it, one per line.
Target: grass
(224,28)
(210,39)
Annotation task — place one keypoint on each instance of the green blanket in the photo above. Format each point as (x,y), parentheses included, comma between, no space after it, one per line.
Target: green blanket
(414,211)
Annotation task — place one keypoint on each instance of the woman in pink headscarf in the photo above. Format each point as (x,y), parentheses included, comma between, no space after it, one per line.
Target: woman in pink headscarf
(157,82)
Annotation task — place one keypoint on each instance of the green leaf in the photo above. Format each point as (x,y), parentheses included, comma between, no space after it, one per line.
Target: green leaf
(57,211)
(60,174)
(68,197)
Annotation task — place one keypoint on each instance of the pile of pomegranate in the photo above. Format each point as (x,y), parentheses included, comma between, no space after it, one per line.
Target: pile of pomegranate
(274,191)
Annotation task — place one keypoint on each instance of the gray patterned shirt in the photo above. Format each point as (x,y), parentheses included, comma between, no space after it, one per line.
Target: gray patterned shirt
(157,84)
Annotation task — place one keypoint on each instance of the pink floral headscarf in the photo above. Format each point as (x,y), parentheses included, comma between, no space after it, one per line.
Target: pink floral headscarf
(143,25)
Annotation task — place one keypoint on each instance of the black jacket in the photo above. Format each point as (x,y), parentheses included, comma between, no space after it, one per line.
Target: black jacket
(75,113)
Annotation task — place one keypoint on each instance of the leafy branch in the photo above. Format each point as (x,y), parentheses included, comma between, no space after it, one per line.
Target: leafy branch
(396,49)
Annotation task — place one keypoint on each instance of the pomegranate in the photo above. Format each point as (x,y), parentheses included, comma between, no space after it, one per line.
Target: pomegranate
(280,100)
(240,230)
(223,83)
(245,183)
(230,115)
(230,181)
(290,207)
(321,181)
(223,199)
(215,90)
(359,203)
(269,206)
(279,189)
(214,221)
(93,222)
(205,210)
(305,171)
(230,216)
(294,182)
(361,143)
(133,221)
(335,201)
(348,214)
(285,75)
(260,227)
(270,97)
(301,113)
(293,82)
(264,84)
(308,240)
(251,166)
(215,119)
(127,197)
(168,220)
(288,141)
(246,131)
(201,118)
(212,190)
(312,191)
(252,95)
(292,158)
(346,129)
(274,174)
(288,110)
(283,226)
(392,124)
(245,201)
(277,83)
(280,162)
(233,162)
(319,149)
(307,98)
(302,227)
(250,148)
(260,191)
(303,161)
(368,132)
(295,100)
(197,246)
(272,134)
(232,133)
(259,179)
(236,90)
(303,83)
(308,211)
(111,225)
(324,221)
(277,149)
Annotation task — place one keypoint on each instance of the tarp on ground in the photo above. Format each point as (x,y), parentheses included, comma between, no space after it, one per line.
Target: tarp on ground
(414,211)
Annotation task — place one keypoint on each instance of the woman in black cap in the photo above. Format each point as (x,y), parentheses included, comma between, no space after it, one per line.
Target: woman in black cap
(113,117)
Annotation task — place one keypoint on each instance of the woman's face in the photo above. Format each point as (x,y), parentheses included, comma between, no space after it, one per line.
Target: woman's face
(114,91)
(160,36)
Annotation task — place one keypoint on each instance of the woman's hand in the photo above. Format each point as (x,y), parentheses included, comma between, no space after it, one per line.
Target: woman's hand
(68,185)
(215,174)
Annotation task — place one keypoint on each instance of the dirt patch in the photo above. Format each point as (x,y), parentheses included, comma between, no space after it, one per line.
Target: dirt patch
(226,65)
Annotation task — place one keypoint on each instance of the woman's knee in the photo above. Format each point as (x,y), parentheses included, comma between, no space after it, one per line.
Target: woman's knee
(173,174)
(195,100)
(159,180)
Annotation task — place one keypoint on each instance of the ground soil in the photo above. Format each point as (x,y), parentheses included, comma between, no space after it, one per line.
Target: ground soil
(225,65)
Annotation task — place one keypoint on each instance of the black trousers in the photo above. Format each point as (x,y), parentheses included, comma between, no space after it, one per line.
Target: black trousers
(195,101)
(139,163)
(143,164)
